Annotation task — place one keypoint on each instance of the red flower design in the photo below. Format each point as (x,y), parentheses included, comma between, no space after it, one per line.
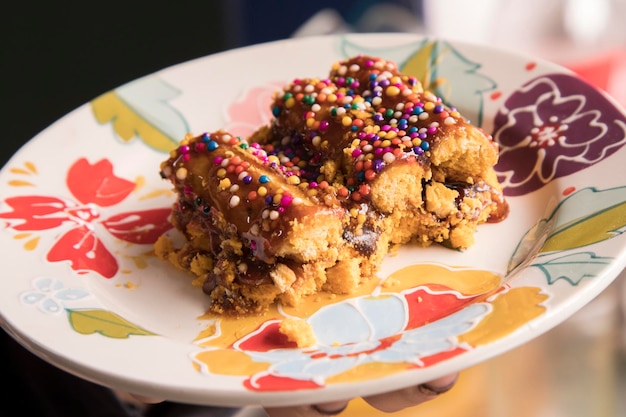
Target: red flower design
(96,183)
(93,186)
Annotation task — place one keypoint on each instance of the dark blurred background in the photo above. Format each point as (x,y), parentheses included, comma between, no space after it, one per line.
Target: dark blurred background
(58,55)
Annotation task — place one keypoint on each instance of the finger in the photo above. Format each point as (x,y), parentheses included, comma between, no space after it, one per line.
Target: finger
(398,400)
(330,409)
(146,400)
(317,410)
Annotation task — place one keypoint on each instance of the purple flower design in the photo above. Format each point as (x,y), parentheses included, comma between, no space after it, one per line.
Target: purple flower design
(553,126)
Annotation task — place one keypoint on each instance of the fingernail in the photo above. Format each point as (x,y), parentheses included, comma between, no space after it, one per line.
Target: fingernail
(330,409)
(432,390)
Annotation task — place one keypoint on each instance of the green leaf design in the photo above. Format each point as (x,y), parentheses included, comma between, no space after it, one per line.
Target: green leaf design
(141,109)
(440,67)
(588,230)
(585,217)
(573,268)
(452,76)
(107,323)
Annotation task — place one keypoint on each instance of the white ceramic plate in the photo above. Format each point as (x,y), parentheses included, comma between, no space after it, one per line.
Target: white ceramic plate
(82,203)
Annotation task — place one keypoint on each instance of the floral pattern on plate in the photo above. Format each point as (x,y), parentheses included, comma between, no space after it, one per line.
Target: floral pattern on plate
(93,187)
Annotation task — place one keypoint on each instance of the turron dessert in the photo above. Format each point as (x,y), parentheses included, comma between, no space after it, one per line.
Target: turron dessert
(350,165)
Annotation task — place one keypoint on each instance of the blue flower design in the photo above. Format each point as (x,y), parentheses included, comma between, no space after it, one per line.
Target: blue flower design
(49,295)
(330,358)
